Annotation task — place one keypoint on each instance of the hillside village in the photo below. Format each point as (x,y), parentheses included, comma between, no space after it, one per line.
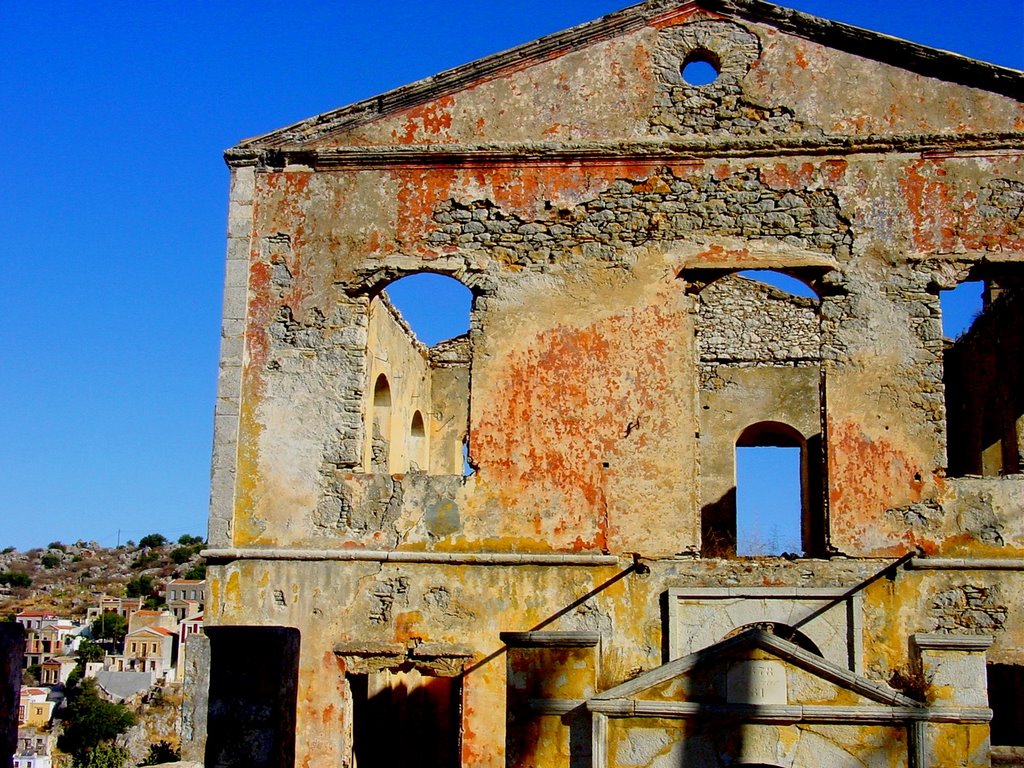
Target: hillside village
(115,616)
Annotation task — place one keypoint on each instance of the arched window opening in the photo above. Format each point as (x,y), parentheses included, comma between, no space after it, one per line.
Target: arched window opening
(983,375)
(418,456)
(380,436)
(435,307)
(784,631)
(770,490)
(418,326)
(381,392)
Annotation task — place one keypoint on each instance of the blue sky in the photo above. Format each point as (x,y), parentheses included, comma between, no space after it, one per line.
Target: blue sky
(113,199)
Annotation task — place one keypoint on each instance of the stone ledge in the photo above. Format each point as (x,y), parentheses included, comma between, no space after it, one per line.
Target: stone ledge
(389,556)
(933,641)
(550,639)
(967,563)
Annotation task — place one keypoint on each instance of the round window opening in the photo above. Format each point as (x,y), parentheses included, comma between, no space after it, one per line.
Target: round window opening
(700,68)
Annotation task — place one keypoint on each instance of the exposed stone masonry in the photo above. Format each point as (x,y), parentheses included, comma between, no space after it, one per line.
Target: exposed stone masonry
(1003,198)
(744,320)
(968,610)
(661,207)
(746,323)
(718,107)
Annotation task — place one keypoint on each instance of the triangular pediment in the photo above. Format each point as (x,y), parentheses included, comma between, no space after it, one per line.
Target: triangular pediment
(617,79)
(752,668)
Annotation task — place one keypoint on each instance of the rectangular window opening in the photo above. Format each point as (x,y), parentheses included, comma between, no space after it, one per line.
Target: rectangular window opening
(769,504)
(424,710)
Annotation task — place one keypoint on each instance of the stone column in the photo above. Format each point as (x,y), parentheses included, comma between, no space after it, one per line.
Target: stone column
(956,693)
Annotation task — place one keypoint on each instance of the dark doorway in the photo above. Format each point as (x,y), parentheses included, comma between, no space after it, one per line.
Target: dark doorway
(403,719)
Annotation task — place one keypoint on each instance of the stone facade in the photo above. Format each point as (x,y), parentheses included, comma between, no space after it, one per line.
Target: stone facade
(518,547)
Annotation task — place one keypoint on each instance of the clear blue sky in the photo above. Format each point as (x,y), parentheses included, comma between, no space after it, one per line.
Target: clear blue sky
(113,198)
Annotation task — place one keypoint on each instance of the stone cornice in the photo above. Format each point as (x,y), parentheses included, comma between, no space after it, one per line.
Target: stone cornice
(697,149)
(392,556)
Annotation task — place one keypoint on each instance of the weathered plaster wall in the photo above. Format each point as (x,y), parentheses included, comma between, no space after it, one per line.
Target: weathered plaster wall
(596,313)
(610,367)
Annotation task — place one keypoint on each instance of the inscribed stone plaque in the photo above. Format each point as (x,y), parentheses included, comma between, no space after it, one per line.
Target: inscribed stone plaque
(757,682)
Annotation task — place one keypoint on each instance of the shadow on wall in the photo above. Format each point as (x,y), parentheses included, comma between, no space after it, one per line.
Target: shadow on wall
(404,718)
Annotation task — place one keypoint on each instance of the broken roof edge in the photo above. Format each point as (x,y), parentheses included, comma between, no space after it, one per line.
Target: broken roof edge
(924,60)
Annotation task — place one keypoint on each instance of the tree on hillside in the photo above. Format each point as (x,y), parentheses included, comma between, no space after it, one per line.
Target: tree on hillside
(197,572)
(106,754)
(161,752)
(141,586)
(50,560)
(109,626)
(90,726)
(90,651)
(153,540)
(190,541)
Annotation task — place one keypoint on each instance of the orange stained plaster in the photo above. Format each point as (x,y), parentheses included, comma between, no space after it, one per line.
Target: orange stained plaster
(718,255)
(559,416)
(867,476)
(787,176)
(428,123)
(408,626)
(800,59)
(420,190)
(944,218)
(679,16)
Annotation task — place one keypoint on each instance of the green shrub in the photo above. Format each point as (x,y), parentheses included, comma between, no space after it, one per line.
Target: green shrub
(153,540)
(50,560)
(15,579)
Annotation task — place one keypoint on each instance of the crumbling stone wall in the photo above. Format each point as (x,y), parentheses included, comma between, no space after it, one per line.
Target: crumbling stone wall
(745,322)
(660,207)
(719,107)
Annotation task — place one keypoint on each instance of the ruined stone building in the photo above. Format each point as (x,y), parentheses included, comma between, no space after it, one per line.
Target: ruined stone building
(522,546)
